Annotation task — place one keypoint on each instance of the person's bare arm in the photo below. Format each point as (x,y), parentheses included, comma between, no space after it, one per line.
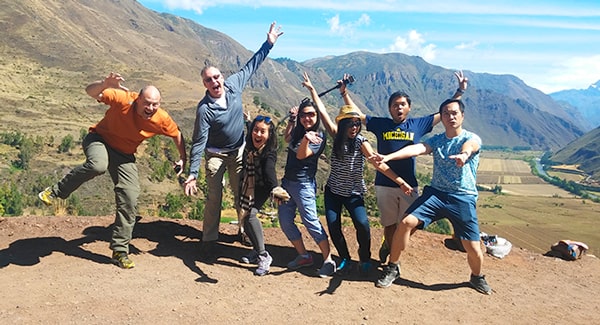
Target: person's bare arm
(113,80)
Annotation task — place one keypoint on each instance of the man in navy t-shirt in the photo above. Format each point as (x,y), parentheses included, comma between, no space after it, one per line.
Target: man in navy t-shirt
(394,133)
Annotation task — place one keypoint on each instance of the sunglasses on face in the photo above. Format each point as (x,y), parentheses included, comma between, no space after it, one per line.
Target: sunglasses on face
(211,78)
(260,118)
(308,114)
(355,123)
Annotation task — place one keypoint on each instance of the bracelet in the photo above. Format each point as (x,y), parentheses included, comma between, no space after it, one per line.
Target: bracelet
(460,91)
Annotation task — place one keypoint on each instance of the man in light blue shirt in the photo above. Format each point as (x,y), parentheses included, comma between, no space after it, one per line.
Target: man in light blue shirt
(452,193)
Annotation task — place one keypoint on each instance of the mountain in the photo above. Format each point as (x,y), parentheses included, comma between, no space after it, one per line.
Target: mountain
(502,109)
(585,101)
(50,50)
(585,152)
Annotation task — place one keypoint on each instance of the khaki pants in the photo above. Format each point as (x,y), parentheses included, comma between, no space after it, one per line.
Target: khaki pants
(216,165)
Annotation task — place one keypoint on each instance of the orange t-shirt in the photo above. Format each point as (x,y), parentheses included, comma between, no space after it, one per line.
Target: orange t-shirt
(123,129)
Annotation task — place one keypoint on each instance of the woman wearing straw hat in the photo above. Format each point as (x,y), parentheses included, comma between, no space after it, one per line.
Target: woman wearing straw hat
(345,185)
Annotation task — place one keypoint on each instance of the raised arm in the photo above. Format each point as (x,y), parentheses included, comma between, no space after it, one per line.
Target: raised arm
(347,100)
(113,80)
(462,87)
(462,84)
(274,33)
(329,124)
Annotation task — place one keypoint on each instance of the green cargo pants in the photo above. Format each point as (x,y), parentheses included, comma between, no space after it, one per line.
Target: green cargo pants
(124,174)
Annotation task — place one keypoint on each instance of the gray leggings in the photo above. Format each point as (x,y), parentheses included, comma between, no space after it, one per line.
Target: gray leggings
(253,228)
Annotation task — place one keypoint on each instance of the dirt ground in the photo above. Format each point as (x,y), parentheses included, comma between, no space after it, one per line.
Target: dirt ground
(56,270)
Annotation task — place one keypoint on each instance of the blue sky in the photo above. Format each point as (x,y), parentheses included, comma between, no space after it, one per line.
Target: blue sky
(551,45)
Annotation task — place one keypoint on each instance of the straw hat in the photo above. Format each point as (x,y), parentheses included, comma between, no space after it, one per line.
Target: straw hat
(347,111)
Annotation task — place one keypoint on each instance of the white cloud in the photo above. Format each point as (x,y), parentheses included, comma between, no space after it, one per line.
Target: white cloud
(347,29)
(334,24)
(467,46)
(414,44)
(573,73)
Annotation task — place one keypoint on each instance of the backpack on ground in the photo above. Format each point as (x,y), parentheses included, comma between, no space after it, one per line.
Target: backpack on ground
(568,250)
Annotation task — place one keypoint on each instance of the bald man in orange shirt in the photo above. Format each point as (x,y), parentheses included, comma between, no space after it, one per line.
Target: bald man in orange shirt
(110,146)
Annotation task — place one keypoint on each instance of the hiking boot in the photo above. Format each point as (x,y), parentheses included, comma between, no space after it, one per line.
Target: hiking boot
(478,282)
(328,269)
(264,262)
(384,252)
(46,196)
(300,262)
(364,269)
(122,260)
(391,273)
(251,258)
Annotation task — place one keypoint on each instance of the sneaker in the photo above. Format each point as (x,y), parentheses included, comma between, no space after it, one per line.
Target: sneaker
(122,260)
(343,267)
(264,262)
(251,258)
(478,282)
(328,269)
(300,262)
(384,252)
(391,273)
(364,268)
(46,196)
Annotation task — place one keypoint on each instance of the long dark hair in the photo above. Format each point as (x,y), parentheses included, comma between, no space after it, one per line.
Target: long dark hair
(341,138)
(299,130)
(271,144)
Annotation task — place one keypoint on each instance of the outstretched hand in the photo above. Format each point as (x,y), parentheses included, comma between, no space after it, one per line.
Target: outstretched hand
(306,83)
(113,80)
(462,80)
(313,137)
(460,159)
(274,33)
(377,158)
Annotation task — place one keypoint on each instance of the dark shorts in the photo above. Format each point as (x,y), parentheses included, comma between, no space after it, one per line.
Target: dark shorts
(434,205)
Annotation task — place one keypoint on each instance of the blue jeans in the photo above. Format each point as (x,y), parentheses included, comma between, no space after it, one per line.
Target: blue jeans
(356,207)
(304,198)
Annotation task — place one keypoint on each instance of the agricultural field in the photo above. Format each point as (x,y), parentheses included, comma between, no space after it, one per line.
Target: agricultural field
(535,223)
(531,213)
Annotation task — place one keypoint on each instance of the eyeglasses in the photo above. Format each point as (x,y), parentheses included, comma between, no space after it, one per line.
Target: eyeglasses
(308,114)
(211,78)
(356,123)
(260,118)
